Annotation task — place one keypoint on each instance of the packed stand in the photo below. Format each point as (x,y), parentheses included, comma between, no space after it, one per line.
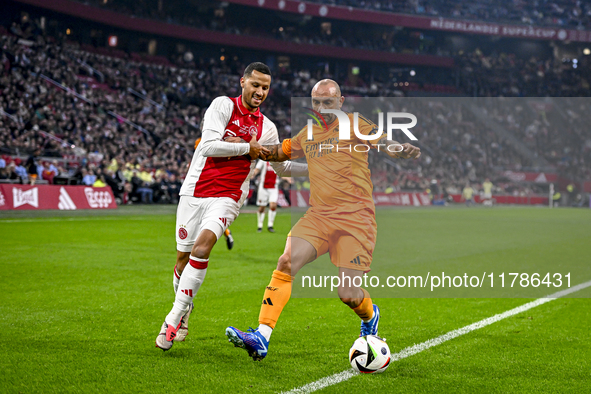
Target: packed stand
(140,142)
(575,14)
(231,19)
(507,75)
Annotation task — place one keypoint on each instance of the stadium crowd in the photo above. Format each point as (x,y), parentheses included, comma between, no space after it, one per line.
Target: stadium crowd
(574,14)
(131,124)
(564,13)
(230,19)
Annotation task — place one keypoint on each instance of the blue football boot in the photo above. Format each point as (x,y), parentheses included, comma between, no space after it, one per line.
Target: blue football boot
(253,341)
(371,327)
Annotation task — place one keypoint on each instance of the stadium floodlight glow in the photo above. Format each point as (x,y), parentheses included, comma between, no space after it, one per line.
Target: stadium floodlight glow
(586,51)
(413,73)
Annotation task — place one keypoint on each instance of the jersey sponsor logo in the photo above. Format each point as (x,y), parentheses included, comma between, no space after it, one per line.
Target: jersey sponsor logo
(65,201)
(243,130)
(97,199)
(272,288)
(21,197)
(267,301)
(236,122)
(356,261)
(183,233)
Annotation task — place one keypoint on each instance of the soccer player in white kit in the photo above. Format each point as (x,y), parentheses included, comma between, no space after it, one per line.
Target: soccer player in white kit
(267,194)
(216,187)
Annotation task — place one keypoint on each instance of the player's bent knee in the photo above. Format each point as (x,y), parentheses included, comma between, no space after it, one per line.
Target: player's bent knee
(201,251)
(351,302)
(284,264)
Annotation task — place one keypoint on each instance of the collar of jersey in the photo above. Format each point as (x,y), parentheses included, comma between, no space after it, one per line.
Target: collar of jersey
(245,111)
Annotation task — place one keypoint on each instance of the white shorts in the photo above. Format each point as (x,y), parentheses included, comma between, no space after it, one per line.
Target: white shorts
(265,196)
(196,214)
(486,196)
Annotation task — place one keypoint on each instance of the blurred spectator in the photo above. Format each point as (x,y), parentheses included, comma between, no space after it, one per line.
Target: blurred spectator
(88,177)
(467,195)
(100,182)
(21,171)
(47,173)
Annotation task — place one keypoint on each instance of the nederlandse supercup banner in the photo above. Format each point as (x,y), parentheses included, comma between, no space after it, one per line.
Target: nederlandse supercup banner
(55,197)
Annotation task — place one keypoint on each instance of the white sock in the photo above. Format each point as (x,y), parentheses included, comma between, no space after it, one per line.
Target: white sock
(175,280)
(189,285)
(260,219)
(272,214)
(265,331)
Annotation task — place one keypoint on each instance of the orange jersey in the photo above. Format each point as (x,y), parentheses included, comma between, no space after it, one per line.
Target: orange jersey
(340,180)
(197,141)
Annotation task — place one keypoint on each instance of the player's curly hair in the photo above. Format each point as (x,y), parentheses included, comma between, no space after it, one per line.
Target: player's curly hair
(258,66)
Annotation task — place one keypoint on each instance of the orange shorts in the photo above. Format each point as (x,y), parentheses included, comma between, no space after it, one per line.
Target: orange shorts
(349,238)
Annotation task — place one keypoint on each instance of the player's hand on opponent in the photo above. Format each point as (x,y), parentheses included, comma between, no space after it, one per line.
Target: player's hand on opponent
(256,149)
(408,152)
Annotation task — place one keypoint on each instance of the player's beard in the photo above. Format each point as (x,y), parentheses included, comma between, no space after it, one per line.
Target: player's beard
(329,118)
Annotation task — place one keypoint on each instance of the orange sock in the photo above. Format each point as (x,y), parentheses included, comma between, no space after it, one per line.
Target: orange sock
(276,296)
(365,309)
(227,232)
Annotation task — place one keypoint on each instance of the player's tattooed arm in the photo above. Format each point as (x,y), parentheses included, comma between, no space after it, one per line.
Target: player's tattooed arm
(276,153)
(397,150)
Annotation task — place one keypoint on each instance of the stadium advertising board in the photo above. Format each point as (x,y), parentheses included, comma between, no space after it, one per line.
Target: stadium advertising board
(26,197)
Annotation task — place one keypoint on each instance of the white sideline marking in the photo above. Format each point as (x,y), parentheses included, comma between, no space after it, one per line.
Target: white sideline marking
(412,350)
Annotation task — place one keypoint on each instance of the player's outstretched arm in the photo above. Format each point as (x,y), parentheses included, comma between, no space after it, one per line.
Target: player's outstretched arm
(397,150)
(288,168)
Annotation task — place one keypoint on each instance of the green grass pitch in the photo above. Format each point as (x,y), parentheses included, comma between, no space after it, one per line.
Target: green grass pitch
(84,295)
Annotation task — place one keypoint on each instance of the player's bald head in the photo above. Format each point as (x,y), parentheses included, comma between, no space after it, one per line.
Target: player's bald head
(326,88)
(326,94)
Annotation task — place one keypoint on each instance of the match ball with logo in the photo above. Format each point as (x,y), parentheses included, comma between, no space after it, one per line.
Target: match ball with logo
(369,354)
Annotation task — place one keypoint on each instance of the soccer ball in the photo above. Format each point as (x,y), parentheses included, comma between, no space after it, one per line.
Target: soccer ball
(369,354)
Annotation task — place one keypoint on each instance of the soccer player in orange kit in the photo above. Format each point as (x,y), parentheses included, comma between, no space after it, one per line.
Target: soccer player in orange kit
(340,220)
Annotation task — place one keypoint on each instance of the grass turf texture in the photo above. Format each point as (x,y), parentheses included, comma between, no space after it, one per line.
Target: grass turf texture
(83,298)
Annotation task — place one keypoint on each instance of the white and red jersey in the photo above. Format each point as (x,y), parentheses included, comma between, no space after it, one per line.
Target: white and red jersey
(268,177)
(223,169)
